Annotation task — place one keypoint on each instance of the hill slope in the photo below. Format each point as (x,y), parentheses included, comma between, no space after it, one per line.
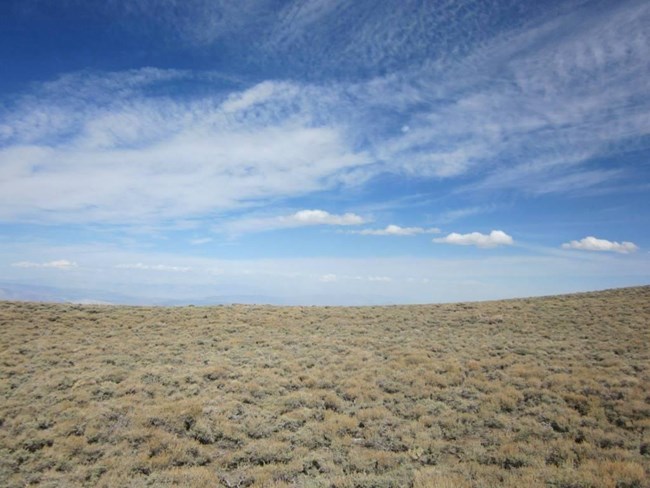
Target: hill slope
(540,392)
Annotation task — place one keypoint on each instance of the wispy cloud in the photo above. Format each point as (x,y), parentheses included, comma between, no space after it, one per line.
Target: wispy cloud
(493,239)
(258,95)
(57,264)
(143,158)
(389,38)
(346,280)
(532,108)
(591,243)
(153,267)
(193,24)
(200,241)
(327,115)
(301,218)
(461,213)
(331,278)
(320,217)
(530,104)
(381,279)
(396,230)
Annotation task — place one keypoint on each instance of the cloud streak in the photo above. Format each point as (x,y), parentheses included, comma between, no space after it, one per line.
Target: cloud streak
(299,280)
(63,264)
(301,218)
(493,239)
(396,230)
(154,267)
(199,241)
(532,106)
(151,159)
(591,243)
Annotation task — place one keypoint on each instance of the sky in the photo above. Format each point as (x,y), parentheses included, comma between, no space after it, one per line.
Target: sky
(322,151)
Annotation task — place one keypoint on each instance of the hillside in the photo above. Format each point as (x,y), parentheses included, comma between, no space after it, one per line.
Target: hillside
(550,391)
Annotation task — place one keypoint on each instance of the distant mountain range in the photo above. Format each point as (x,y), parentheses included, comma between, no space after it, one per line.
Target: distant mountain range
(35,293)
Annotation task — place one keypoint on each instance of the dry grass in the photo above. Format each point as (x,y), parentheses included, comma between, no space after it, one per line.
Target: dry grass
(540,392)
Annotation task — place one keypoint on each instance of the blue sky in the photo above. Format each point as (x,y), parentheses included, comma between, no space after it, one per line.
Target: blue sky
(322,152)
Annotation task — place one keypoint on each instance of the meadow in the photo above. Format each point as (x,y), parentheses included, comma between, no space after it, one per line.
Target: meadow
(540,392)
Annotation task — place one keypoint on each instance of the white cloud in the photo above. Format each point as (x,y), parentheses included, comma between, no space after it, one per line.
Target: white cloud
(173,178)
(302,218)
(328,278)
(396,230)
(114,154)
(384,279)
(154,267)
(461,213)
(257,95)
(26,264)
(298,280)
(342,278)
(200,241)
(200,23)
(493,239)
(591,243)
(317,217)
(345,277)
(99,147)
(57,264)
(571,80)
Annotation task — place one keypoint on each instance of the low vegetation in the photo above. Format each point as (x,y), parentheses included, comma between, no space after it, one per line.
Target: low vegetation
(551,392)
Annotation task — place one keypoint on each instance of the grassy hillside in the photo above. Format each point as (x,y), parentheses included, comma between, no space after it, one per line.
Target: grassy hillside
(537,392)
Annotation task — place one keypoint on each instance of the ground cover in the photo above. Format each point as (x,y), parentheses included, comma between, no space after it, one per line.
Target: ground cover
(548,391)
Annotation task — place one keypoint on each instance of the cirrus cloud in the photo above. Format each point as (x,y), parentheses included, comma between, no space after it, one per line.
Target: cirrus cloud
(57,264)
(396,230)
(328,278)
(317,217)
(166,155)
(199,241)
(592,243)
(301,218)
(153,267)
(493,239)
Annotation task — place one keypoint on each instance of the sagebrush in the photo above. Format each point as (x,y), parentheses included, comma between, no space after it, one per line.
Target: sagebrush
(548,392)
